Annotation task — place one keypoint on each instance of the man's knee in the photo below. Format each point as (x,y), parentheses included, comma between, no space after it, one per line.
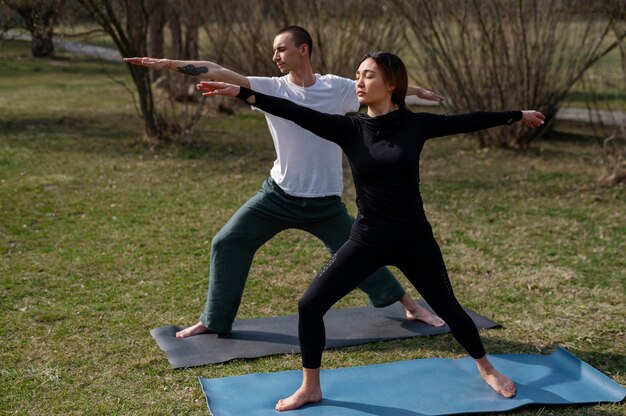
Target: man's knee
(226,239)
(220,242)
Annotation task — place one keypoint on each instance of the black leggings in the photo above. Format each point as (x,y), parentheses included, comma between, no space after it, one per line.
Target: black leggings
(422,264)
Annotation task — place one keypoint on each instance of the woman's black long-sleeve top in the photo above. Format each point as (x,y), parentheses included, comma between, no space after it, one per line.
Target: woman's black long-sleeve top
(384,156)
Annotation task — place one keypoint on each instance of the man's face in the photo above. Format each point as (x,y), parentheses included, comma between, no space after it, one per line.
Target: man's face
(287,55)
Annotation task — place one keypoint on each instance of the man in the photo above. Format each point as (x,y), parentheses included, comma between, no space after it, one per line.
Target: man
(305,185)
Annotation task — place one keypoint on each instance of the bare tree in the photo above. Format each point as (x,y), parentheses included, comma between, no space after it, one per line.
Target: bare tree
(241,32)
(5,19)
(183,106)
(127,23)
(502,54)
(39,18)
(134,26)
(184,21)
(157,24)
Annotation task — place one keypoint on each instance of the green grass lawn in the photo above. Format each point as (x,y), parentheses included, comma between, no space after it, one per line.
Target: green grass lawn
(102,239)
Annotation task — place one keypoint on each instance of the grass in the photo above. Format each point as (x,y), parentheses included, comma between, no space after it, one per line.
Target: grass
(102,239)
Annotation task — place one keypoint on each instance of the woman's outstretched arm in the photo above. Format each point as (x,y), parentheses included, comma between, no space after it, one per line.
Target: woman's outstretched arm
(333,127)
(443,125)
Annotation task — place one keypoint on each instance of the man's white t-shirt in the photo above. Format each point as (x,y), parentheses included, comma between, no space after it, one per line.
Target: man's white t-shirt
(307,165)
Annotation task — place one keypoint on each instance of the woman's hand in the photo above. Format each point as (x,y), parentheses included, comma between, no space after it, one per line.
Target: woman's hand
(218,88)
(532,118)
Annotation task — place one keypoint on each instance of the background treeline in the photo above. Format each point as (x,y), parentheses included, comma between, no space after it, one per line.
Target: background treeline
(480,54)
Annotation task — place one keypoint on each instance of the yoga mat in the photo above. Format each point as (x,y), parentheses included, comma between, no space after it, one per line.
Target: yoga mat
(431,386)
(251,338)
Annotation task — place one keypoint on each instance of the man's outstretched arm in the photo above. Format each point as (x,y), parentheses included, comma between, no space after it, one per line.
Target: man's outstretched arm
(200,69)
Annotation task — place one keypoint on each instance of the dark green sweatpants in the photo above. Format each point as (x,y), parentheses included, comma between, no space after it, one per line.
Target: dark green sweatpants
(266,214)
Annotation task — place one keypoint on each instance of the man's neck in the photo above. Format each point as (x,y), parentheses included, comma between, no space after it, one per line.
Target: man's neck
(302,77)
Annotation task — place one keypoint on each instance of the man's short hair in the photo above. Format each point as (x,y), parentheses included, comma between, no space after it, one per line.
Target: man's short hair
(299,36)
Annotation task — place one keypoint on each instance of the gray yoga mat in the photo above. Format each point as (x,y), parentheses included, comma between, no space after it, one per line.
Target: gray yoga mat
(259,337)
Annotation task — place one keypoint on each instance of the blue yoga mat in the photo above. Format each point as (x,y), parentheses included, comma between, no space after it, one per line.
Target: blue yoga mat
(431,386)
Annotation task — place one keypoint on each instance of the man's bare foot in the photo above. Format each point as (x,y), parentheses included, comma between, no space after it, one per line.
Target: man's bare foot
(415,312)
(301,397)
(196,329)
(421,314)
(502,384)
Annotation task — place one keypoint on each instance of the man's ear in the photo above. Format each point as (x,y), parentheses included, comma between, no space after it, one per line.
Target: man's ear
(304,49)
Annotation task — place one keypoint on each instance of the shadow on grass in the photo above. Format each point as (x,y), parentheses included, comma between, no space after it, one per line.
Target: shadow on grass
(566,137)
(122,135)
(565,144)
(206,143)
(94,127)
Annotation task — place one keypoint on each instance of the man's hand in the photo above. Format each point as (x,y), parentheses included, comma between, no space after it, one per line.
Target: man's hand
(532,118)
(218,88)
(425,94)
(151,63)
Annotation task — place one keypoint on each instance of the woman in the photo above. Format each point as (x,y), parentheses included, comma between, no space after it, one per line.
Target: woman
(383,148)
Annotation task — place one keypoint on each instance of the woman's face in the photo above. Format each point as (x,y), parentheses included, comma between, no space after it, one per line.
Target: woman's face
(371,87)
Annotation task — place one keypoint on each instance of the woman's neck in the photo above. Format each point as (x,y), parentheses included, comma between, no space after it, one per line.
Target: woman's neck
(381,108)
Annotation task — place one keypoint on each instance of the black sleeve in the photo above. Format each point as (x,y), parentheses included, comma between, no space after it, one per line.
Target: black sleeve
(333,127)
(435,125)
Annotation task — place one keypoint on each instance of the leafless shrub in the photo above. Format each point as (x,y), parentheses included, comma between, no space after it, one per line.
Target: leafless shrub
(614,160)
(614,146)
(126,23)
(606,106)
(503,54)
(241,32)
(168,113)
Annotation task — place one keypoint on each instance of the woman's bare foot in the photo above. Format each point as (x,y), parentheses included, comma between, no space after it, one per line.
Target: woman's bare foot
(415,312)
(301,397)
(196,329)
(502,384)
(309,392)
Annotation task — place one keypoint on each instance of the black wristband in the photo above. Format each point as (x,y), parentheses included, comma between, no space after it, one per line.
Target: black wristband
(516,116)
(245,93)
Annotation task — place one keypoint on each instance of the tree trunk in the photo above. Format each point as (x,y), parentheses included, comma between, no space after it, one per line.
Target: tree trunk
(191,42)
(39,18)
(155,33)
(146,102)
(41,44)
(155,27)
(177,35)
